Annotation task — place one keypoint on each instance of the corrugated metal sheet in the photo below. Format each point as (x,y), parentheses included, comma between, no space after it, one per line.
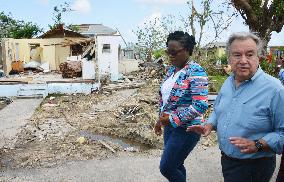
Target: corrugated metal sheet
(95,29)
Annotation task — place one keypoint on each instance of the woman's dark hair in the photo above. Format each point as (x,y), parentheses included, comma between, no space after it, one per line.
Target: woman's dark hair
(187,41)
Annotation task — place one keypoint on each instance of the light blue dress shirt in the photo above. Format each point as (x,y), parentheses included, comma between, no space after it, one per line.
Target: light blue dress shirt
(254,110)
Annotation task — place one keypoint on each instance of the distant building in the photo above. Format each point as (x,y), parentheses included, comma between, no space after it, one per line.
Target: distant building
(215,49)
(277,51)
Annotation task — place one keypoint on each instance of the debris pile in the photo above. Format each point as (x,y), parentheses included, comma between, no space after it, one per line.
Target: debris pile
(117,120)
(4,101)
(71,69)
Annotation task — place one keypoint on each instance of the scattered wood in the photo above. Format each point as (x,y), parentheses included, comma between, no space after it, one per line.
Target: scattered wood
(149,101)
(121,86)
(107,146)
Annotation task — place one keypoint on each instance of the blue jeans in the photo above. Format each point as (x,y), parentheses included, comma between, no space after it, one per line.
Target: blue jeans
(177,145)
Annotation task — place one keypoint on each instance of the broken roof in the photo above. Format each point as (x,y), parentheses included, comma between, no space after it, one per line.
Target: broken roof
(216,44)
(68,42)
(60,32)
(95,29)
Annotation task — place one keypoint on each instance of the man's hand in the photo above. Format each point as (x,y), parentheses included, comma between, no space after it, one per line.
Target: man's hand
(245,145)
(158,128)
(204,130)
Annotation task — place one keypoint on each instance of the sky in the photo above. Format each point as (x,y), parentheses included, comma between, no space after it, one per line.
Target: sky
(124,15)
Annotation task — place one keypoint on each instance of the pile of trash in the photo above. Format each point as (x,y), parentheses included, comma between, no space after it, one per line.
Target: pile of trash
(71,69)
(81,127)
(4,101)
(19,67)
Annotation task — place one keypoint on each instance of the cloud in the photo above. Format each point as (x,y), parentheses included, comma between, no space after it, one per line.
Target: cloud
(151,18)
(42,2)
(82,6)
(162,2)
(276,40)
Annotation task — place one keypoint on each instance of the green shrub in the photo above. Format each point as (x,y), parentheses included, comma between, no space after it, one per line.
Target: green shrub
(269,66)
(158,53)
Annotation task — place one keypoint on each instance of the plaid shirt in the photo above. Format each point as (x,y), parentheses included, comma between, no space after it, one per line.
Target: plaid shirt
(188,98)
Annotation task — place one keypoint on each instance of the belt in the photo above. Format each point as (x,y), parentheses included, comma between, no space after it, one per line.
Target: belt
(245,160)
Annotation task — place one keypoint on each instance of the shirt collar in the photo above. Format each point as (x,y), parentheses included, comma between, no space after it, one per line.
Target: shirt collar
(258,72)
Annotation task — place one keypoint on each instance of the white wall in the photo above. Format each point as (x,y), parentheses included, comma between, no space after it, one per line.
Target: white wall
(47,88)
(128,65)
(108,62)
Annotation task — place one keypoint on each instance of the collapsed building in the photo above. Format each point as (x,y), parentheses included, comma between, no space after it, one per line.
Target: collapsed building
(92,54)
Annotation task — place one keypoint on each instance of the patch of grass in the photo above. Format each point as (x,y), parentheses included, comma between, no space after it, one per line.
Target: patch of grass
(216,82)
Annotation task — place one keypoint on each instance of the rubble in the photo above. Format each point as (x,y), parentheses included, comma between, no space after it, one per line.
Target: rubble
(71,69)
(4,101)
(71,127)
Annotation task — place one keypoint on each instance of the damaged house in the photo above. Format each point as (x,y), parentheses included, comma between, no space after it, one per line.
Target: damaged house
(107,47)
(49,48)
(96,47)
(95,42)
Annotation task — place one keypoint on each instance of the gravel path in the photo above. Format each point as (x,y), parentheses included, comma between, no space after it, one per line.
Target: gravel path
(202,166)
(135,168)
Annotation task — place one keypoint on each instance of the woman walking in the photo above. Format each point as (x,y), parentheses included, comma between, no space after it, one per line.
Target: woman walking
(183,100)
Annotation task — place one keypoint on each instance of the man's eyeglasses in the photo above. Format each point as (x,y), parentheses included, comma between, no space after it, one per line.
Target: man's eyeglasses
(173,52)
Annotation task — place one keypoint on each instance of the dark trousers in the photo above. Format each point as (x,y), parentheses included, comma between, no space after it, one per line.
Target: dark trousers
(280,176)
(247,170)
(177,145)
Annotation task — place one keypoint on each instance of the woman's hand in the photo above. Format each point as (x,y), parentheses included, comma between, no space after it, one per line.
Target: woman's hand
(204,130)
(158,128)
(164,119)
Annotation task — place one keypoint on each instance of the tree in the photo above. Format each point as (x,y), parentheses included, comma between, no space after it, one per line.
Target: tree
(262,16)
(11,28)
(151,36)
(208,16)
(57,16)
(202,18)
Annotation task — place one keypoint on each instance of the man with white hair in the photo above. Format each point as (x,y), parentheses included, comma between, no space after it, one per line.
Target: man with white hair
(248,115)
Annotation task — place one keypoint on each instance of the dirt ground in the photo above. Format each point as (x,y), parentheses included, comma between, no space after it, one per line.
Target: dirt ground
(105,136)
(114,122)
